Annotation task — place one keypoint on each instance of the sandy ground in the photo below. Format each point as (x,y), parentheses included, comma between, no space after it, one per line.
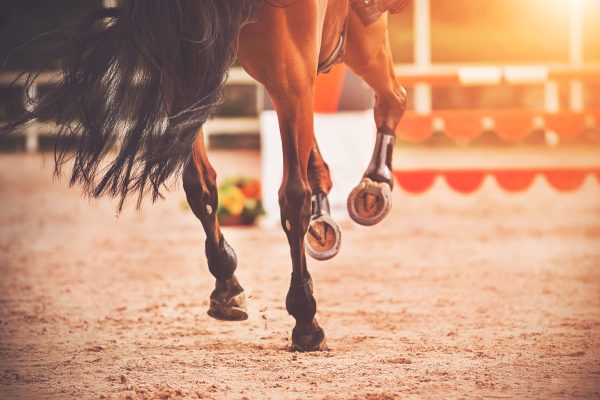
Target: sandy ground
(483,296)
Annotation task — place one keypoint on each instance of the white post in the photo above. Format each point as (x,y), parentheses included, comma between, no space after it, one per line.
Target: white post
(576,51)
(422,52)
(551,97)
(551,106)
(260,98)
(31,135)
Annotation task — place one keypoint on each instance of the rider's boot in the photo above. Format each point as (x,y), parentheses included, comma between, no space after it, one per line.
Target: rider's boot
(370,11)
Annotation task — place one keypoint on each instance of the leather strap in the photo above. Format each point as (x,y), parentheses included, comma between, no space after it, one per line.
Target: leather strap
(380,167)
(367,10)
(370,11)
(338,52)
(320,205)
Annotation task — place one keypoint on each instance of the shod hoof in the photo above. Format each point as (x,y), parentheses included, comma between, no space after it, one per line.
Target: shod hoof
(231,308)
(370,202)
(312,340)
(323,238)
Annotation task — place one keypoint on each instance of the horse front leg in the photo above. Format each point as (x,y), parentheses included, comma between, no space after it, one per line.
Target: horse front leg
(324,236)
(281,51)
(369,55)
(227,301)
(296,125)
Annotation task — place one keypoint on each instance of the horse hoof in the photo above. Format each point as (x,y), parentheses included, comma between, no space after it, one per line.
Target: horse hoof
(323,238)
(231,308)
(370,202)
(311,339)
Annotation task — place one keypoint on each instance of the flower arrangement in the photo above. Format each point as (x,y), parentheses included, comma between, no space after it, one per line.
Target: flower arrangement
(239,201)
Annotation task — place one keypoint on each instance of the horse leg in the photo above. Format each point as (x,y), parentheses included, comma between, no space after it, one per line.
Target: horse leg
(227,301)
(324,236)
(368,54)
(295,204)
(281,51)
(296,126)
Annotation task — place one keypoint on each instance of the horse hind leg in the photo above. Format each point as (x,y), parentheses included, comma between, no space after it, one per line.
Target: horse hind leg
(369,55)
(227,301)
(324,237)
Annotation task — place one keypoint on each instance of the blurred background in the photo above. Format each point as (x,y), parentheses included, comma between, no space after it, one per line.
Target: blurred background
(559,34)
(501,84)
(482,282)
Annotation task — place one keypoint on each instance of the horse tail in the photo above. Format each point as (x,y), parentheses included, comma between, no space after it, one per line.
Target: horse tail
(142,79)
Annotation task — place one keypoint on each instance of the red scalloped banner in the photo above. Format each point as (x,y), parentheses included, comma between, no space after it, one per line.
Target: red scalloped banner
(464,181)
(512,180)
(509,125)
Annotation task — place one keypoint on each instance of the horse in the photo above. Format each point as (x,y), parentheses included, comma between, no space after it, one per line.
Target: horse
(143,78)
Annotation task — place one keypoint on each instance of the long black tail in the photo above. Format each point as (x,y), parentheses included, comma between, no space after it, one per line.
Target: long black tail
(142,79)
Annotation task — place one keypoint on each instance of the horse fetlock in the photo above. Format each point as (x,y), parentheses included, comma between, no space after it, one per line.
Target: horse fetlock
(300,302)
(222,260)
(230,287)
(302,309)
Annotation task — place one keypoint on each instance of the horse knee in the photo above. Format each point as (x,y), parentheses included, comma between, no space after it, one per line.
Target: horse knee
(294,202)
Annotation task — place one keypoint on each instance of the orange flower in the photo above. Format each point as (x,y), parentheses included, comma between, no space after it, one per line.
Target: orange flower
(251,189)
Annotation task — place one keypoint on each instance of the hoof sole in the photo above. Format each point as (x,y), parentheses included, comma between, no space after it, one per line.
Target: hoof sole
(323,239)
(233,309)
(370,202)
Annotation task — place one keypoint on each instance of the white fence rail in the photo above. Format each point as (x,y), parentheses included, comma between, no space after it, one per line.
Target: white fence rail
(217,125)
(411,75)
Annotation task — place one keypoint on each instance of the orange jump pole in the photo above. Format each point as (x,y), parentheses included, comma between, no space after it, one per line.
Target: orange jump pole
(328,89)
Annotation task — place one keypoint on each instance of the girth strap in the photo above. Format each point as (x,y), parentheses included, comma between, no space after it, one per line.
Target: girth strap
(338,52)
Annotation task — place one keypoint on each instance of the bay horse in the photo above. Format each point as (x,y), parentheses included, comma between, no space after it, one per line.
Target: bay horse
(143,78)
